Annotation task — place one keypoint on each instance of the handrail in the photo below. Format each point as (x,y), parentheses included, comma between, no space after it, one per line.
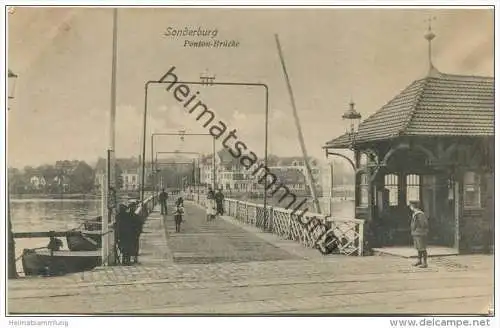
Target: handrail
(151,200)
(41,234)
(311,229)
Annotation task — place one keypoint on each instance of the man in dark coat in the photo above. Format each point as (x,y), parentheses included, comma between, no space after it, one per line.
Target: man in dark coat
(163,201)
(419,230)
(125,233)
(137,223)
(219,200)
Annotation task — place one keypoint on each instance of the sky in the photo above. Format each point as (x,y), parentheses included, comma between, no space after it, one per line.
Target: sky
(63,59)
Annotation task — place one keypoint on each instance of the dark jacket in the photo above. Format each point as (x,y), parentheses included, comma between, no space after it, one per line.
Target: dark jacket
(125,229)
(163,196)
(219,197)
(419,224)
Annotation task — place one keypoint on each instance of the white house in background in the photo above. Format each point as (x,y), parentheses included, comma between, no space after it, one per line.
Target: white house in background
(63,182)
(206,170)
(130,176)
(130,180)
(230,174)
(38,181)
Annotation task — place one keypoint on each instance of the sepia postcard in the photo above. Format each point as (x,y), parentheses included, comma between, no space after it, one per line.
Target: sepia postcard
(250,161)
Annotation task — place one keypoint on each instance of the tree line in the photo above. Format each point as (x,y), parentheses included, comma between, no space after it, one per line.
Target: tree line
(62,177)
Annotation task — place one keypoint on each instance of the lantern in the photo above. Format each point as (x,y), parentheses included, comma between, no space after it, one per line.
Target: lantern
(12,78)
(353,118)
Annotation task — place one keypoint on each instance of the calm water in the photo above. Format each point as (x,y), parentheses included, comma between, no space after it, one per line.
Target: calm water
(31,215)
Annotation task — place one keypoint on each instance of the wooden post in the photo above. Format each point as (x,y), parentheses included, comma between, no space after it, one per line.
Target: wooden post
(12,274)
(246,211)
(361,238)
(309,176)
(271,220)
(331,190)
(52,246)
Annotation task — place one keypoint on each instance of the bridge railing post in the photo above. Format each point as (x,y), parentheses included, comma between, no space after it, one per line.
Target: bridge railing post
(361,238)
(271,220)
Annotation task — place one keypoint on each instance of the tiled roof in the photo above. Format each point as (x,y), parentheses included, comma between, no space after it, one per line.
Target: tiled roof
(438,105)
(227,160)
(225,156)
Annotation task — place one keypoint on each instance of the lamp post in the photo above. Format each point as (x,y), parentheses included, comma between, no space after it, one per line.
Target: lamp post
(12,272)
(353,119)
(12,85)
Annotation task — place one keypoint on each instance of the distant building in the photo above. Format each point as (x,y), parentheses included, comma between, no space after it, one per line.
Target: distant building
(129,173)
(38,182)
(230,174)
(130,178)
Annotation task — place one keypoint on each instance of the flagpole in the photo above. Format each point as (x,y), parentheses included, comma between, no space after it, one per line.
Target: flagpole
(108,244)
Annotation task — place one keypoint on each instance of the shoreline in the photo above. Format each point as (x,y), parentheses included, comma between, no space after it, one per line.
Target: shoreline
(53,196)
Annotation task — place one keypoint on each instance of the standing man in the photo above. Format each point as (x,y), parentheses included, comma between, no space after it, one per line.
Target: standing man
(163,201)
(219,199)
(136,222)
(419,230)
(125,234)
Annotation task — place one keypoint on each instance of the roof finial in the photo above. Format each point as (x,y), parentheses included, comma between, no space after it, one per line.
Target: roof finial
(429,36)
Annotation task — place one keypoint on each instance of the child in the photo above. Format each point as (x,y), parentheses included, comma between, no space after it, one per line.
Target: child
(419,231)
(178,213)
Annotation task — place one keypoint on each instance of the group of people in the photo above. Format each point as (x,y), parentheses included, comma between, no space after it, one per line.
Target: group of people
(129,224)
(178,210)
(128,229)
(214,204)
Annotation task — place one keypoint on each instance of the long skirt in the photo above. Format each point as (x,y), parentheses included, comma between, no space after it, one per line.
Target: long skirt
(420,242)
(211,207)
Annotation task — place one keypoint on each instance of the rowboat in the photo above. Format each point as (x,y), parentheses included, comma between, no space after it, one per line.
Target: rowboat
(44,262)
(85,241)
(94,224)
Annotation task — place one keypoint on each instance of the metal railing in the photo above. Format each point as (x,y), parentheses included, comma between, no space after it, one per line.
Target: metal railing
(313,230)
(147,207)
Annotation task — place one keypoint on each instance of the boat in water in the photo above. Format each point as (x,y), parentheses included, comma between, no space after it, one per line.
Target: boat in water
(46,262)
(85,241)
(88,237)
(94,224)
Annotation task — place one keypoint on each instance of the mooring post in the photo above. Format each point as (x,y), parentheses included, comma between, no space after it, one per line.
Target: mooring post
(12,246)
